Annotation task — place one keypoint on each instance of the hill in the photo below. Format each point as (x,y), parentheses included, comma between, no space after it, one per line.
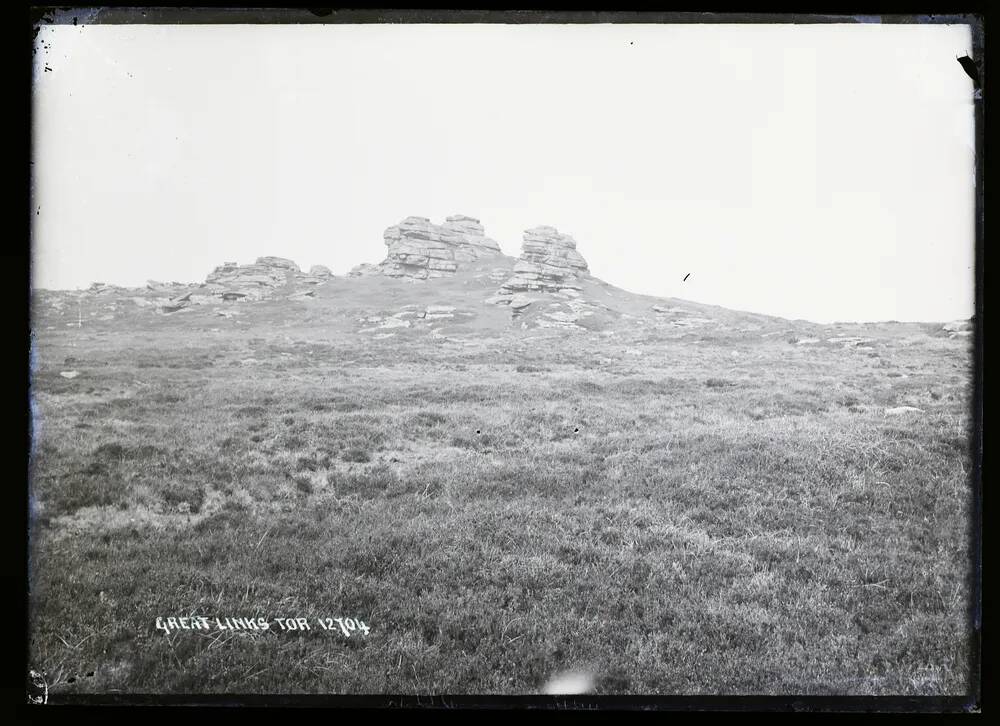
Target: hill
(507,469)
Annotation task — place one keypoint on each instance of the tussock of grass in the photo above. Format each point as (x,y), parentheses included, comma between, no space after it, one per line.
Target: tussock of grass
(357,455)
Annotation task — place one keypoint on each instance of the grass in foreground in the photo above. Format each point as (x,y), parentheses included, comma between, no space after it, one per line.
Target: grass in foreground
(681,520)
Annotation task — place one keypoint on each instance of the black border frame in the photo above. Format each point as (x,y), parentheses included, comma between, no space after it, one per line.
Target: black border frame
(79,704)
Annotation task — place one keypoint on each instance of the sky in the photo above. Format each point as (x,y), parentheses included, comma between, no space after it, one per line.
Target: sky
(818,172)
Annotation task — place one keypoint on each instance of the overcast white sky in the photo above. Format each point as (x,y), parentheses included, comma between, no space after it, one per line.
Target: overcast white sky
(822,172)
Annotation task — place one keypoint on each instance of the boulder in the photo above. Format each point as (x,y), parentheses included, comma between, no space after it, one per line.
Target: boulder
(898,410)
(436,312)
(384,322)
(848,341)
(956,326)
(312,280)
(363,270)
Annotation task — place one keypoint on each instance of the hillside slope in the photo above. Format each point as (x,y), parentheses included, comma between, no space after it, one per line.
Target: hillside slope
(670,497)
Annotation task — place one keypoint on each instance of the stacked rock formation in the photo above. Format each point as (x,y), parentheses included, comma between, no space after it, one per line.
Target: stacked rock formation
(471,238)
(549,262)
(251,282)
(279,263)
(419,249)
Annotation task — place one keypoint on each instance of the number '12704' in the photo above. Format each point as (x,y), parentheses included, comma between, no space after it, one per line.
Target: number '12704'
(347,625)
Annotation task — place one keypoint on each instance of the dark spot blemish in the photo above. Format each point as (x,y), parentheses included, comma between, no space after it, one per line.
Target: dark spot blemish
(971,69)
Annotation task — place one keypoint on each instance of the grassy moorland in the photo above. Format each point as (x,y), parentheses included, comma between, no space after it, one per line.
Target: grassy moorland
(676,510)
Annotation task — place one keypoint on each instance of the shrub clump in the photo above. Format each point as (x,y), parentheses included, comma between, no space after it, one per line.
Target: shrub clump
(718,383)
(356,455)
(429,418)
(192,494)
(526,368)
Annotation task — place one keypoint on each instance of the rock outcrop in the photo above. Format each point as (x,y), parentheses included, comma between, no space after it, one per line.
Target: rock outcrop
(419,249)
(549,263)
(414,317)
(959,328)
(279,263)
(251,282)
(317,275)
(544,289)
